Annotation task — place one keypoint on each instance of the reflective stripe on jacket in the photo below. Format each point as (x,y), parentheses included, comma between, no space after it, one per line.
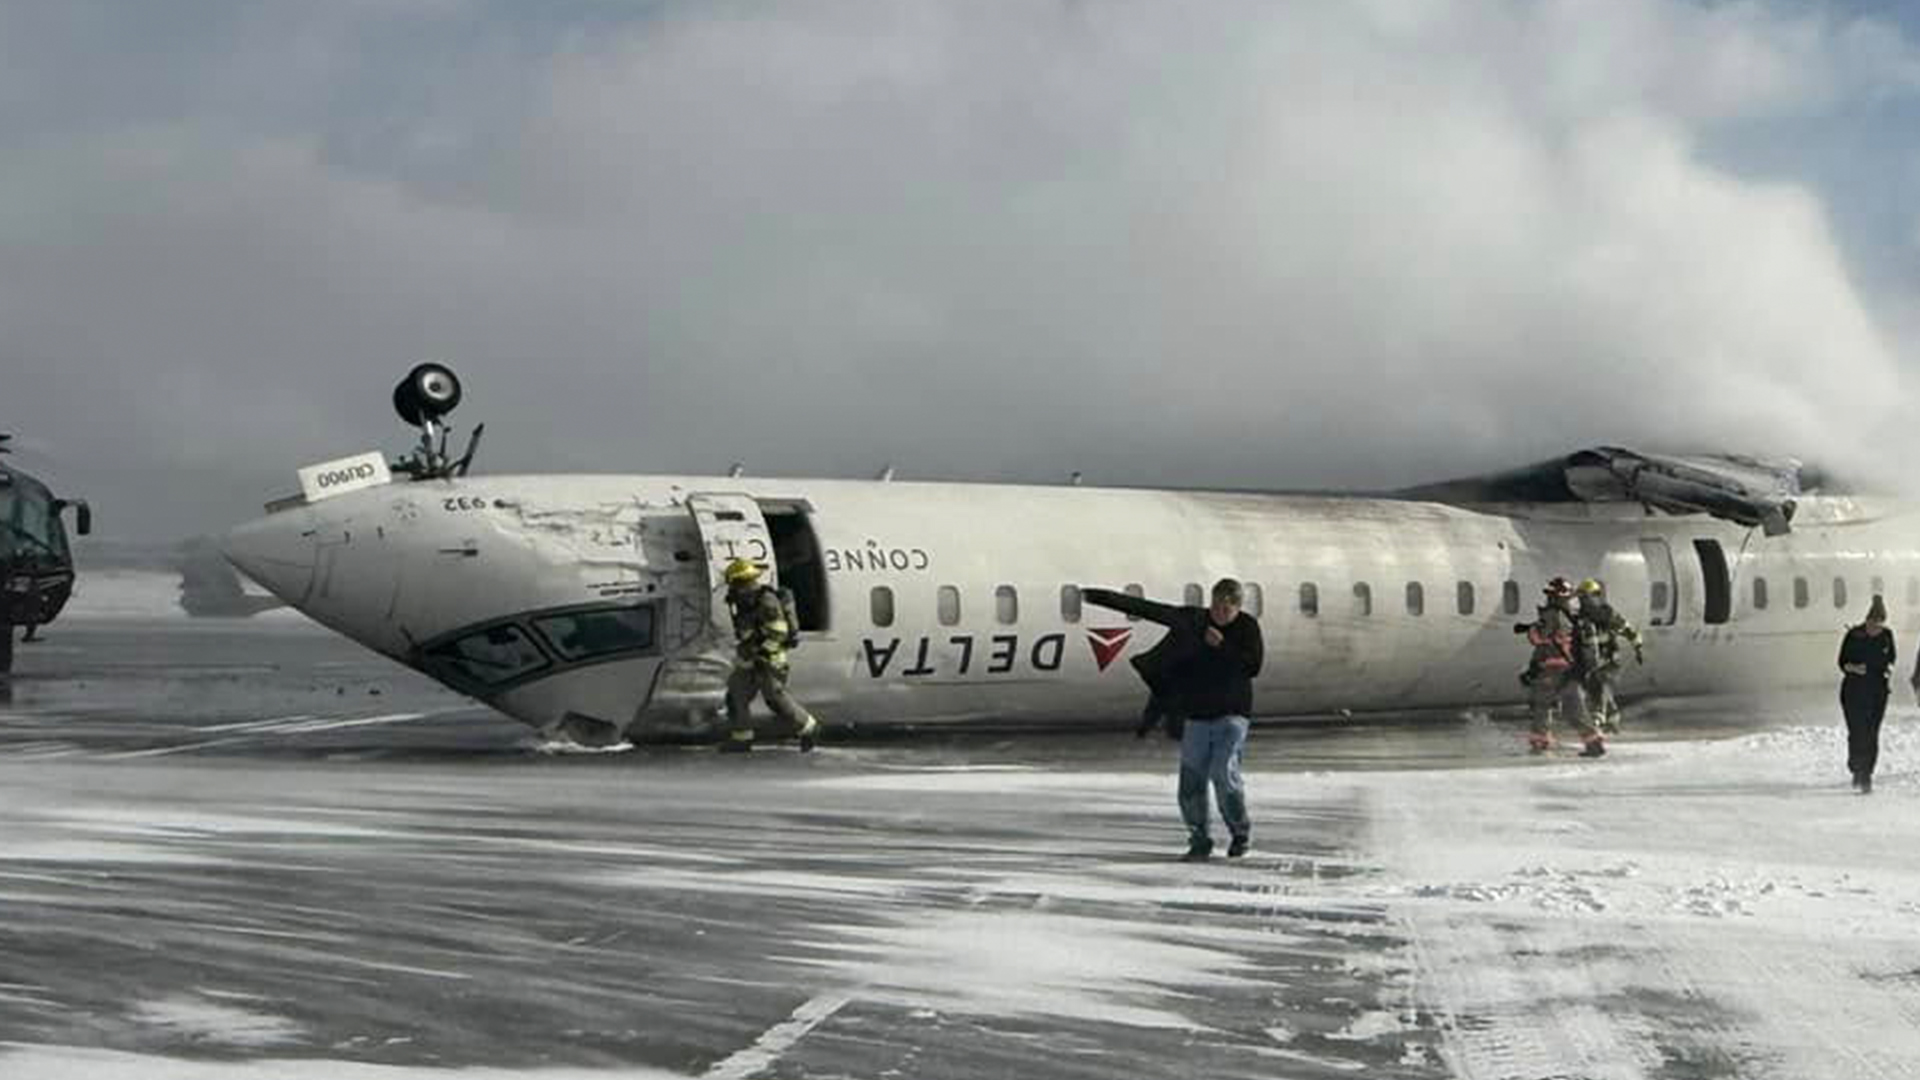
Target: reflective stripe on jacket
(759,627)
(1552,640)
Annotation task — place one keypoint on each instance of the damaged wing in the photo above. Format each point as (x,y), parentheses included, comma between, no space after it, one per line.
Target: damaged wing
(1750,491)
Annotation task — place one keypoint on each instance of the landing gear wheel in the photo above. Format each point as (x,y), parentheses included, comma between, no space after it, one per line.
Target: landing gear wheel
(429,392)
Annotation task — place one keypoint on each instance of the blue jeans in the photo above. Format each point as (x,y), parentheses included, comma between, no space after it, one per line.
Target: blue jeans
(1210,751)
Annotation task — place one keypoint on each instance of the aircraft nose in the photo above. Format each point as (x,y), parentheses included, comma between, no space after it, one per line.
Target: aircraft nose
(277,551)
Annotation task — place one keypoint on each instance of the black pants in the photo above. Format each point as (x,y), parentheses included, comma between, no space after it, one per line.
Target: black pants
(1864,701)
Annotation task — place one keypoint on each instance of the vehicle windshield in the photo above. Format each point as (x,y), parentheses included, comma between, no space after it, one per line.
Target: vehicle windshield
(29,526)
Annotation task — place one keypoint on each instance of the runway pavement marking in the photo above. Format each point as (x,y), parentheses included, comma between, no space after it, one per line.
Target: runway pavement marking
(330,724)
(777,1039)
(248,725)
(302,727)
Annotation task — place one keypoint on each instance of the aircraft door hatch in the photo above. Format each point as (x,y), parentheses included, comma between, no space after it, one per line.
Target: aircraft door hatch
(802,571)
(731,527)
(1719,583)
(1663,594)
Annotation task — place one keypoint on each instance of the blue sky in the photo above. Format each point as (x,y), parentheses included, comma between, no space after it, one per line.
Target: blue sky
(1243,245)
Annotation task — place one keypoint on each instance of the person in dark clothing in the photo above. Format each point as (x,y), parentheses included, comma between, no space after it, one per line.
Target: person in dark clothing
(1206,676)
(1154,666)
(1157,713)
(1866,658)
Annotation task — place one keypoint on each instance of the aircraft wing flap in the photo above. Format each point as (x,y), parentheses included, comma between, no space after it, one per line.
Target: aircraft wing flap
(1746,490)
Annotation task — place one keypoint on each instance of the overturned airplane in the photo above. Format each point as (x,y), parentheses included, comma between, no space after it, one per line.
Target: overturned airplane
(593,605)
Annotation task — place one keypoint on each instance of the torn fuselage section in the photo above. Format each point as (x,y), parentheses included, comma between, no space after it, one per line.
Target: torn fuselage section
(1749,491)
(610,593)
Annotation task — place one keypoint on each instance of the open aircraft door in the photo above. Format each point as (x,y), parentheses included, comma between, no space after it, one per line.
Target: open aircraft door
(731,526)
(689,689)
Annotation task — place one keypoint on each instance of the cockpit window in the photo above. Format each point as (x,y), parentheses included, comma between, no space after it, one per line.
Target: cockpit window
(580,635)
(29,524)
(492,656)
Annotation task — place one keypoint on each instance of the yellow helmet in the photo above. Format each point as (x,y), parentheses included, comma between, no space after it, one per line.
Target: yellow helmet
(1589,586)
(741,570)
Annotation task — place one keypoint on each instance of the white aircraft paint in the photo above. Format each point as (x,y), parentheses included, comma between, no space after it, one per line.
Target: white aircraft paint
(943,603)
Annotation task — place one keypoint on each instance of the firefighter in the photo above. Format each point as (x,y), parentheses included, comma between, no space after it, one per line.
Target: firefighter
(1551,678)
(1601,631)
(763,631)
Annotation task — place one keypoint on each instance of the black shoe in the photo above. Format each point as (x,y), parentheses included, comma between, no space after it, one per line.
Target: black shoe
(1198,851)
(1237,848)
(1856,781)
(806,742)
(1594,748)
(1866,785)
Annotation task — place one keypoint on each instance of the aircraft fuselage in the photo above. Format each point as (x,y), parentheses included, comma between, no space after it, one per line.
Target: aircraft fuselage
(585,601)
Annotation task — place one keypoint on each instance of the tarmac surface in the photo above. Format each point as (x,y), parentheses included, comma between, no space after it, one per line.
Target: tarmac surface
(233,846)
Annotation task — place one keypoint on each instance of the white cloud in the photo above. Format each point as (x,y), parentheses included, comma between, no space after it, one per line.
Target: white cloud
(1251,244)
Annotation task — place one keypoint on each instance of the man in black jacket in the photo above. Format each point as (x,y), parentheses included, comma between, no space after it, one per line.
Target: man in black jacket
(1153,666)
(1206,675)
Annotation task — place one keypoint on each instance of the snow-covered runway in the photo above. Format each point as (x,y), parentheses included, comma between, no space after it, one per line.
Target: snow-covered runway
(343,884)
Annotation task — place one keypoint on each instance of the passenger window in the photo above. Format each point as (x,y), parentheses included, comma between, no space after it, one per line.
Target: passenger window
(949,605)
(1658,598)
(1254,601)
(1463,597)
(1759,594)
(1137,593)
(1006,605)
(880,601)
(1802,595)
(1309,599)
(490,657)
(1362,599)
(1195,596)
(579,635)
(1416,599)
(1070,603)
(1510,597)
(1839,592)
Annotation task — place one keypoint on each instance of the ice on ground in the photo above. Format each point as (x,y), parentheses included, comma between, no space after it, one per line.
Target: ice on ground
(77,1063)
(1001,963)
(196,1018)
(1729,902)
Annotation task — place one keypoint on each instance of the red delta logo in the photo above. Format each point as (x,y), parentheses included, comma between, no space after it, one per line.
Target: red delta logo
(1108,644)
